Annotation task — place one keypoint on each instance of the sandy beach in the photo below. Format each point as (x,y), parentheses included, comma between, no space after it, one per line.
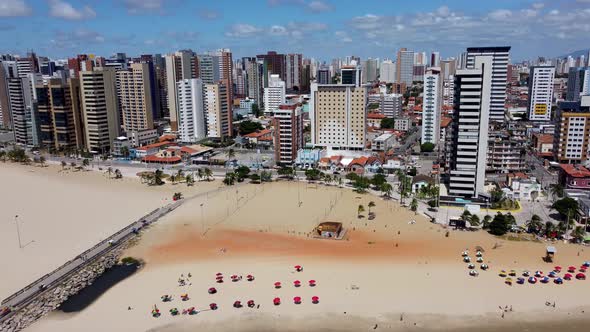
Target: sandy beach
(63,213)
(389,271)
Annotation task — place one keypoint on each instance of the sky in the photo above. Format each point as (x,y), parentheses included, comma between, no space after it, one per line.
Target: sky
(320,29)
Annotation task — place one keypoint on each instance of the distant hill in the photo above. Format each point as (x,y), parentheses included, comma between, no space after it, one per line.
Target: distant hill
(576,54)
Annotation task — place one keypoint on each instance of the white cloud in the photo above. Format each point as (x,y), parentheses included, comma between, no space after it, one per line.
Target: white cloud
(14,8)
(500,14)
(148,6)
(538,5)
(62,9)
(343,36)
(278,30)
(209,14)
(443,11)
(242,30)
(318,6)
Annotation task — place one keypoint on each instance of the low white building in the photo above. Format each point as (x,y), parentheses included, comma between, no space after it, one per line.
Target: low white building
(523,189)
(118,145)
(383,143)
(402,124)
(142,137)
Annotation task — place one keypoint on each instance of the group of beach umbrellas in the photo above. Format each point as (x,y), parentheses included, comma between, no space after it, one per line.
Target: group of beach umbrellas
(538,276)
(479,259)
(233,277)
(296,283)
(296,300)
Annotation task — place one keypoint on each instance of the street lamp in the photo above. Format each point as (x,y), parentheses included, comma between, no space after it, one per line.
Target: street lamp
(18,231)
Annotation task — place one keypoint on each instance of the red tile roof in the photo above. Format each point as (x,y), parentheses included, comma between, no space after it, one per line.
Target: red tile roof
(259,133)
(164,160)
(544,138)
(165,138)
(445,121)
(155,146)
(373,115)
(575,171)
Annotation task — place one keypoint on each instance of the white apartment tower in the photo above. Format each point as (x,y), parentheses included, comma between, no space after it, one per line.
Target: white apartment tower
(474,89)
(274,95)
(338,116)
(387,72)
(180,65)
(191,117)
(500,56)
(541,92)
(100,108)
(431,108)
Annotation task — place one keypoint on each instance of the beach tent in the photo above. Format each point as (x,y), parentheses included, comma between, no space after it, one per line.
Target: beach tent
(219,274)
(297,300)
(484,267)
(532,280)
(583,269)
(315,299)
(586,264)
(503,273)
(467,259)
(552,274)
(465,253)
(312,283)
(278,284)
(567,276)
(538,274)
(184,297)
(479,254)
(545,280)
(512,273)
(557,269)
(508,281)
(219,280)
(250,277)
(234,278)
(297,283)
(276,301)
(213,306)
(212,290)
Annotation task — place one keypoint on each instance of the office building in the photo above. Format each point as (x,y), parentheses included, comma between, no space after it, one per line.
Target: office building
(274,64)
(431,108)
(294,68)
(191,124)
(288,133)
(217,108)
(391,105)
(387,72)
(500,56)
(100,108)
(350,75)
(473,98)
(448,93)
(434,59)
(404,70)
(254,72)
(338,116)
(135,103)
(448,68)
(571,133)
(578,83)
(274,95)
(179,66)
(540,92)
(370,70)
(323,75)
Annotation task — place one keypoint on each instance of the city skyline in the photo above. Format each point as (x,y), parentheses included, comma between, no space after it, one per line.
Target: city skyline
(321,29)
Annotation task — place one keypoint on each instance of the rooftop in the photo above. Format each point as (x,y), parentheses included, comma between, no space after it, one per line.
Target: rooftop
(575,171)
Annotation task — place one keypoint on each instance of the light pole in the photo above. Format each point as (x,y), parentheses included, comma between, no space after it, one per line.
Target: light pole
(18,231)
(202,220)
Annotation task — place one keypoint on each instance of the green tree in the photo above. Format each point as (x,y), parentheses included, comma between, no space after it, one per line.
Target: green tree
(378,180)
(207,173)
(500,225)
(109,171)
(313,174)
(125,152)
(386,189)
(254,178)
(474,220)
(370,205)
(286,171)
(242,172)
(557,190)
(579,234)
(549,229)
(230,179)
(42,160)
(247,127)
(534,225)
(427,147)
(352,176)
(360,210)
(361,184)
(486,221)
(3,155)
(255,110)
(118,174)
(387,123)
(414,204)
(85,162)
(189,180)
(567,207)
(265,176)
(231,154)
(412,171)
(200,173)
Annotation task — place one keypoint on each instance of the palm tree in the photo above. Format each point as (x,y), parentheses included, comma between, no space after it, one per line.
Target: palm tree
(230,179)
(466,216)
(557,190)
(579,233)
(110,171)
(414,205)
(63,164)
(474,220)
(73,164)
(207,173)
(118,174)
(360,210)
(3,155)
(85,162)
(173,178)
(370,205)
(42,160)
(158,177)
(125,151)
(535,225)
(487,220)
(189,180)
(230,154)
(386,189)
(549,228)
(200,173)
(180,173)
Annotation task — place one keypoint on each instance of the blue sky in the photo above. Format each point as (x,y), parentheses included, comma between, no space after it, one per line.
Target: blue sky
(322,29)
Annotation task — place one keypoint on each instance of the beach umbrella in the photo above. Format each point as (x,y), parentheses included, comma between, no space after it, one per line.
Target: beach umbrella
(218,274)
(238,304)
(583,268)
(557,269)
(471,266)
(545,279)
(512,273)
(503,274)
(297,283)
(552,274)
(586,264)
(249,277)
(213,306)
(532,280)
(297,299)
(174,311)
(212,290)
(473,273)
(218,277)
(571,269)
(526,273)
(278,284)
(219,280)
(478,254)
(558,281)
(520,280)
(508,281)
(315,299)
(312,283)
(298,268)
(581,276)
(251,303)
(567,276)
(234,278)
(538,274)
(184,297)
(276,301)
(466,259)
(479,259)
(484,267)
(465,253)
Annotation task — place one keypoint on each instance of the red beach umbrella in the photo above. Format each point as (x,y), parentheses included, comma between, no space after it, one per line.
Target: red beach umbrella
(276,301)
(251,303)
(219,280)
(219,277)
(312,283)
(213,306)
(567,276)
(298,268)
(297,283)
(581,276)
(571,269)
(278,284)
(238,304)
(218,274)
(583,268)
(249,277)
(297,299)
(234,276)
(557,268)
(315,299)
(212,290)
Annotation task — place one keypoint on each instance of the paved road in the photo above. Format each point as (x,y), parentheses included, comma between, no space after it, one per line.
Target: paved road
(545,177)
(53,278)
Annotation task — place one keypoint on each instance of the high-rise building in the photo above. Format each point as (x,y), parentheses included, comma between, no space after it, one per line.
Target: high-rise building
(274,95)
(448,92)
(578,83)
(100,108)
(391,105)
(350,75)
(571,133)
(288,133)
(191,124)
(294,68)
(404,70)
(216,108)
(338,116)
(500,56)
(473,99)
(5,114)
(448,68)
(541,92)
(59,114)
(179,66)
(370,70)
(275,64)
(81,62)
(254,70)
(431,108)
(434,59)
(323,75)
(387,72)
(135,102)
